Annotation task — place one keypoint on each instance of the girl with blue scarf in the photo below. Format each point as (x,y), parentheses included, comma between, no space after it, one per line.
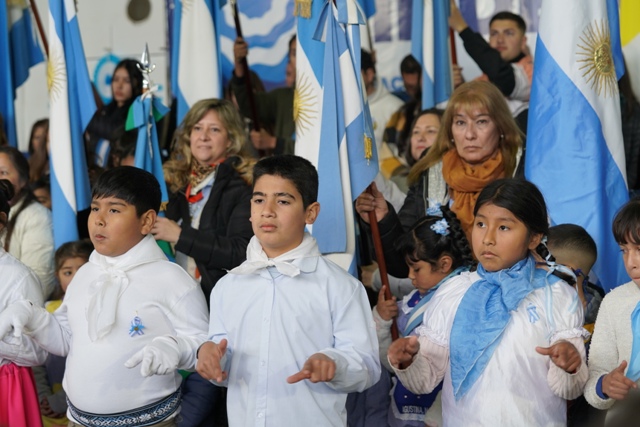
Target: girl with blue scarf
(435,250)
(507,339)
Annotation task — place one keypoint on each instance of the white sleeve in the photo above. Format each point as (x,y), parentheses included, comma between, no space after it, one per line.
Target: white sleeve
(355,348)
(189,317)
(427,369)
(383,330)
(603,352)
(522,89)
(566,324)
(36,245)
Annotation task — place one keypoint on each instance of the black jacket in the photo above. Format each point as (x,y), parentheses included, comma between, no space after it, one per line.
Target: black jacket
(220,242)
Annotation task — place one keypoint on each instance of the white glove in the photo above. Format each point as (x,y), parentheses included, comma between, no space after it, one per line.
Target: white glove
(21,316)
(160,357)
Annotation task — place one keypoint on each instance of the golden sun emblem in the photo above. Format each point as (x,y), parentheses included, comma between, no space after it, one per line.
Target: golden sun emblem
(594,52)
(56,75)
(304,105)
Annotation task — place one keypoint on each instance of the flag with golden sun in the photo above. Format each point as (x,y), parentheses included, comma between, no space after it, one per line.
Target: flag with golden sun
(575,153)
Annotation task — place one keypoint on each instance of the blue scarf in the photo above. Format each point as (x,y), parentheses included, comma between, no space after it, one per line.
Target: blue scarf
(416,314)
(483,315)
(633,371)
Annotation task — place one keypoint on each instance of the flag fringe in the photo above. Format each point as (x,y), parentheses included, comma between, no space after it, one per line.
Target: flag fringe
(302,8)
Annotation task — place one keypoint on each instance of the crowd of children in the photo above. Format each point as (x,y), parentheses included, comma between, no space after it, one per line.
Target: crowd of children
(501,328)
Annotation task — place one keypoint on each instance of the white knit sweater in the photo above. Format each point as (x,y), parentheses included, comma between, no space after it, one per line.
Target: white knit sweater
(612,339)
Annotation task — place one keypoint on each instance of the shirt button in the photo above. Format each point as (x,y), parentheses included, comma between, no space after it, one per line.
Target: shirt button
(262,363)
(260,415)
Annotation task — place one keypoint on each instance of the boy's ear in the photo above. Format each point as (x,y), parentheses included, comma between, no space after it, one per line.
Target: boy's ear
(147,220)
(311,213)
(445,263)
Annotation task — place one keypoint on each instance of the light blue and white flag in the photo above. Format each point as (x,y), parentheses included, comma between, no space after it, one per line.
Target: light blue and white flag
(19,51)
(333,124)
(143,114)
(575,153)
(430,47)
(195,59)
(71,106)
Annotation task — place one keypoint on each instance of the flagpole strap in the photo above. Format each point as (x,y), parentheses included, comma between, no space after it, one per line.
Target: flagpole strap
(302,8)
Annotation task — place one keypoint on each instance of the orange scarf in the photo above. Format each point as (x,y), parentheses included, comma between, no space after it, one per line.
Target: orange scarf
(465,183)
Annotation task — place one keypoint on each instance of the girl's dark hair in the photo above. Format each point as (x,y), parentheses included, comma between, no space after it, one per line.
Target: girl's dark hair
(524,200)
(79,248)
(421,243)
(38,155)
(21,165)
(6,194)
(626,224)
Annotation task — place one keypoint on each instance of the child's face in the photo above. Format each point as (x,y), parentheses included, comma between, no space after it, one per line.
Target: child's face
(43,197)
(499,239)
(68,269)
(114,226)
(425,275)
(277,214)
(631,258)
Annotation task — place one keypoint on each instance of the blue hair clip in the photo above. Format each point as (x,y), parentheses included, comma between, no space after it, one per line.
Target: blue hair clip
(441,227)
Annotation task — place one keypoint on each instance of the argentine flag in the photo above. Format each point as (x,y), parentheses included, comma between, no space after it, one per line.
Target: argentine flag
(430,47)
(71,106)
(19,51)
(333,125)
(575,153)
(196,71)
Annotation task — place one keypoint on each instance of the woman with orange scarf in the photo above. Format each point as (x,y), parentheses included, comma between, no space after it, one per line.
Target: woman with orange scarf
(478,142)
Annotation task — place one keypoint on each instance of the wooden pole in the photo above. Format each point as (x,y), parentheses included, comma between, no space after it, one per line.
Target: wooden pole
(382,265)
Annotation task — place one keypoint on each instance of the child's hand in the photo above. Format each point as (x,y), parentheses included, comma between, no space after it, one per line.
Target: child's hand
(615,384)
(318,368)
(209,357)
(387,308)
(160,357)
(402,350)
(564,355)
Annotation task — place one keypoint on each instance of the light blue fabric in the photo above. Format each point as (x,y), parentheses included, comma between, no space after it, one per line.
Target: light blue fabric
(633,371)
(483,315)
(414,321)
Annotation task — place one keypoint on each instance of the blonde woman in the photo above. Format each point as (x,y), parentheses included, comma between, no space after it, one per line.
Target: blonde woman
(210,181)
(477,143)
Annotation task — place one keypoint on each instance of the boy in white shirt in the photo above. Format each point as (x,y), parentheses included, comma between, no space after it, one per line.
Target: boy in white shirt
(290,333)
(127,306)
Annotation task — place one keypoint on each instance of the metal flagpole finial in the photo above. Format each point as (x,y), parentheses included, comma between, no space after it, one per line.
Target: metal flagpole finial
(146,68)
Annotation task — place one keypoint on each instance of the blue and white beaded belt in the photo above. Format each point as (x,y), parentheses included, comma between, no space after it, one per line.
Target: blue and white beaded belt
(139,417)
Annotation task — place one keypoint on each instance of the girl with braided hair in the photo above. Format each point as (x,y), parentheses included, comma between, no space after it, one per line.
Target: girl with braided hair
(435,250)
(506,339)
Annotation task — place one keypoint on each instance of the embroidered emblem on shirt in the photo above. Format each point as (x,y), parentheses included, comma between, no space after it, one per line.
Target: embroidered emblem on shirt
(533,314)
(136,327)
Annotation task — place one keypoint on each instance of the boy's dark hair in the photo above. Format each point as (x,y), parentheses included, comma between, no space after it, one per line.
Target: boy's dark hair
(77,249)
(626,224)
(508,16)
(410,65)
(298,170)
(135,186)
(421,243)
(366,61)
(572,237)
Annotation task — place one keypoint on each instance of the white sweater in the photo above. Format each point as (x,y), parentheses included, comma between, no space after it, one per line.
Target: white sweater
(612,339)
